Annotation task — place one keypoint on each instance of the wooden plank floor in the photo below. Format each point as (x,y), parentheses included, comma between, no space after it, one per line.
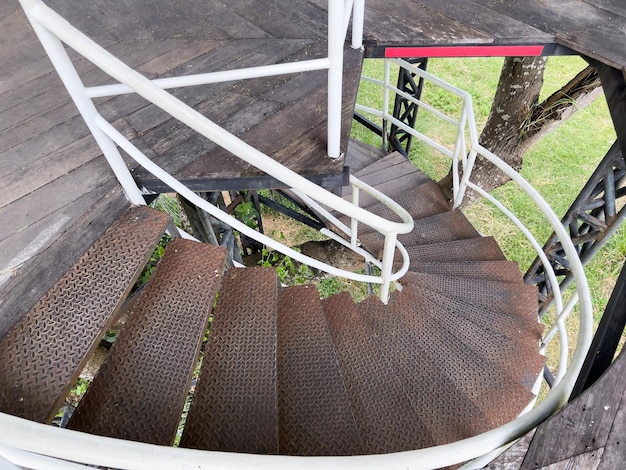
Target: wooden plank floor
(587,433)
(595,28)
(57,194)
(282,116)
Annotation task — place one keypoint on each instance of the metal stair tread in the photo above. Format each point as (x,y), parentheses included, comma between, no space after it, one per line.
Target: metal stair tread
(459,394)
(446,226)
(500,397)
(511,348)
(384,416)
(36,370)
(472,249)
(420,202)
(390,175)
(501,271)
(140,391)
(234,405)
(518,300)
(314,412)
(449,413)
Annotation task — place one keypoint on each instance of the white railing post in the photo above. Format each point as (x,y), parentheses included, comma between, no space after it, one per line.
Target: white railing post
(335,76)
(387,265)
(386,91)
(358,17)
(74,85)
(354,228)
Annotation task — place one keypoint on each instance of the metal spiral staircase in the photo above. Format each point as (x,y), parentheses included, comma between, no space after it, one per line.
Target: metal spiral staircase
(454,354)
(441,367)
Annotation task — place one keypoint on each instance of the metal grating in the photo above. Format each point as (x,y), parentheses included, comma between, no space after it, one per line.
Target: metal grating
(42,355)
(234,403)
(384,416)
(140,391)
(314,413)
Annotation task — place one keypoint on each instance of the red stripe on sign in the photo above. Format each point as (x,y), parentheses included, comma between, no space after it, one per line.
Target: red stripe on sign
(463,51)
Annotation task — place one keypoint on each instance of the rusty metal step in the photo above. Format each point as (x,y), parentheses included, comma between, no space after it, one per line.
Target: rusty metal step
(420,201)
(501,271)
(472,249)
(385,418)
(479,372)
(455,386)
(234,402)
(42,355)
(507,343)
(445,227)
(314,412)
(447,412)
(518,300)
(140,391)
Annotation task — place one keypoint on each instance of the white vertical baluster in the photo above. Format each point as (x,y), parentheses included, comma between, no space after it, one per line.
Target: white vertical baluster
(358,16)
(65,68)
(335,76)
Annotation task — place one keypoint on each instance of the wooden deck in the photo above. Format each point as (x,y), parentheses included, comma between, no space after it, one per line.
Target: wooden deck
(588,433)
(594,28)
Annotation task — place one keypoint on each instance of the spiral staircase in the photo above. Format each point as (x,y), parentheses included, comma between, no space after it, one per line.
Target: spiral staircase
(454,353)
(226,360)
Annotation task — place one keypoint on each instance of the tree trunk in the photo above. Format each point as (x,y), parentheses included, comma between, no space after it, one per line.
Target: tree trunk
(517,120)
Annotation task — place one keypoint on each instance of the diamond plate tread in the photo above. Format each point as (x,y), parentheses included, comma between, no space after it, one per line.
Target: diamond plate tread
(459,393)
(472,249)
(501,271)
(234,403)
(444,227)
(499,397)
(140,391)
(447,412)
(517,300)
(498,339)
(42,355)
(512,327)
(420,201)
(384,416)
(314,412)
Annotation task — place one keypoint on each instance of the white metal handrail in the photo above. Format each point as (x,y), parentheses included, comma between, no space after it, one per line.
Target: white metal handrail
(466,155)
(463,157)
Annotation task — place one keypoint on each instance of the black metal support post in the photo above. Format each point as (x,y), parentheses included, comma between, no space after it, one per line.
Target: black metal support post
(606,339)
(405,110)
(591,220)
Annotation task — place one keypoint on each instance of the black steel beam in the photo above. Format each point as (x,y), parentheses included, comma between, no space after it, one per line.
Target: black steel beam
(591,220)
(606,338)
